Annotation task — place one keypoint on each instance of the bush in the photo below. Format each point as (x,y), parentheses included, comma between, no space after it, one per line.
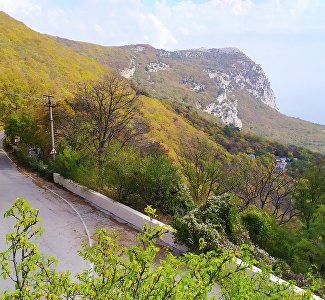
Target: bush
(34,163)
(219,223)
(66,163)
(70,165)
(152,178)
(258,223)
(22,124)
(160,185)
(121,171)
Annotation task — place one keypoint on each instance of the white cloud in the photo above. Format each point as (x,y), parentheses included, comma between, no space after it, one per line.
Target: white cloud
(242,16)
(26,7)
(167,25)
(240,7)
(100,30)
(159,31)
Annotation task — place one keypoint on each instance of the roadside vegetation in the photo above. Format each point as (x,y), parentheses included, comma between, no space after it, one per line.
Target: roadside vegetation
(119,272)
(210,181)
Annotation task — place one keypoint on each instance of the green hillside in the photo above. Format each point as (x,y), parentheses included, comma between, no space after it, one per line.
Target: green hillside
(34,63)
(267,122)
(189,68)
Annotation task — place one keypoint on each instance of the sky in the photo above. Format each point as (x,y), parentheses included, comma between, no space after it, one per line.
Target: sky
(286,37)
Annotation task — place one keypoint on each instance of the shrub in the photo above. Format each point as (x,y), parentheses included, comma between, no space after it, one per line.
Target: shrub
(152,178)
(33,163)
(121,171)
(258,223)
(66,163)
(161,185)
(219,223)
(21,124)
(69,164)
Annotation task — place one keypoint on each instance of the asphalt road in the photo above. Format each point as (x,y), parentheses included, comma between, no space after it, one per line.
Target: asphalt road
(67,219)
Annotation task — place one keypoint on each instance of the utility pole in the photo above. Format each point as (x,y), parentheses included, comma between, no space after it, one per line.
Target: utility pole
(50,105)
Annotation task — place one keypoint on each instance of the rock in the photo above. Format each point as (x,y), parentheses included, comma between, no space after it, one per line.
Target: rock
(226,109)
(138,48)
(129,72)
(194,85)
(155,67)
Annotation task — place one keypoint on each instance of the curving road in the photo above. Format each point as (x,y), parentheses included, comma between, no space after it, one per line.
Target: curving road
(67,219)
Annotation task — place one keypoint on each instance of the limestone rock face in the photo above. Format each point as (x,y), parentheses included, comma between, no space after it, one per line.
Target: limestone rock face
(249,77)
(226,110)
(194,85)
(156,66)
(253,81)
(129,72)
(214,80)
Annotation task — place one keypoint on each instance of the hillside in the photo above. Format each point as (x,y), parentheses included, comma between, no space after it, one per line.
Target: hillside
(224,82)
(35,64)
(169,129)
(263,120)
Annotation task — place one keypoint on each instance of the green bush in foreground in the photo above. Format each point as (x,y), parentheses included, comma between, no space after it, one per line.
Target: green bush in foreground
(121,272)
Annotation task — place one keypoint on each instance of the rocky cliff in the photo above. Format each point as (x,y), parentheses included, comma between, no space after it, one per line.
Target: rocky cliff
(223,82)
(216,73)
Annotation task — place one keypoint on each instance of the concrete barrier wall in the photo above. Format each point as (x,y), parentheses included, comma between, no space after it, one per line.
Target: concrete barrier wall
(130,215)
(138,219)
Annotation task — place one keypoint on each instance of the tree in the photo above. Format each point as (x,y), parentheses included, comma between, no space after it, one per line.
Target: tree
(12,86)
(22,263)
(124,272)
(22,124)
(310,191)
(231,130)
(201,165)
(261,184)
(31,126)
(104,111)
(152,178)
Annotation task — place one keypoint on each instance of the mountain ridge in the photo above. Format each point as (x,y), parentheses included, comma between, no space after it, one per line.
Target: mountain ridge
(152,69)
(224,82)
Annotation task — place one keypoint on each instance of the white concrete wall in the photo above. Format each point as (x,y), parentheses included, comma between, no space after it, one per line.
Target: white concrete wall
(130,215)
(138,219)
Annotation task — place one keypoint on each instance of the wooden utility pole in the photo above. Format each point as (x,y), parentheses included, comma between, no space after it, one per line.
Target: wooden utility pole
(50,105)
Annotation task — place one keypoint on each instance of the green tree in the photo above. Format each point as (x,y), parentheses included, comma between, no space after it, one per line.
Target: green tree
(22,124)
(258,223)
(33,274)
(124,272)
(104,111)
(153,179)
(310,192)
(201,166)
(13,91)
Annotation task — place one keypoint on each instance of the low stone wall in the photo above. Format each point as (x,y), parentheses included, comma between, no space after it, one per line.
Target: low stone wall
(133,217)
(137,219)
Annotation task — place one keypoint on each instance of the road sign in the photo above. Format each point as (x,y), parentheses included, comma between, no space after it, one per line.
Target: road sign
(53,151)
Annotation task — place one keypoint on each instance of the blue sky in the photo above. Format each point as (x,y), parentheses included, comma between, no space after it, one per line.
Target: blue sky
(286,37)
